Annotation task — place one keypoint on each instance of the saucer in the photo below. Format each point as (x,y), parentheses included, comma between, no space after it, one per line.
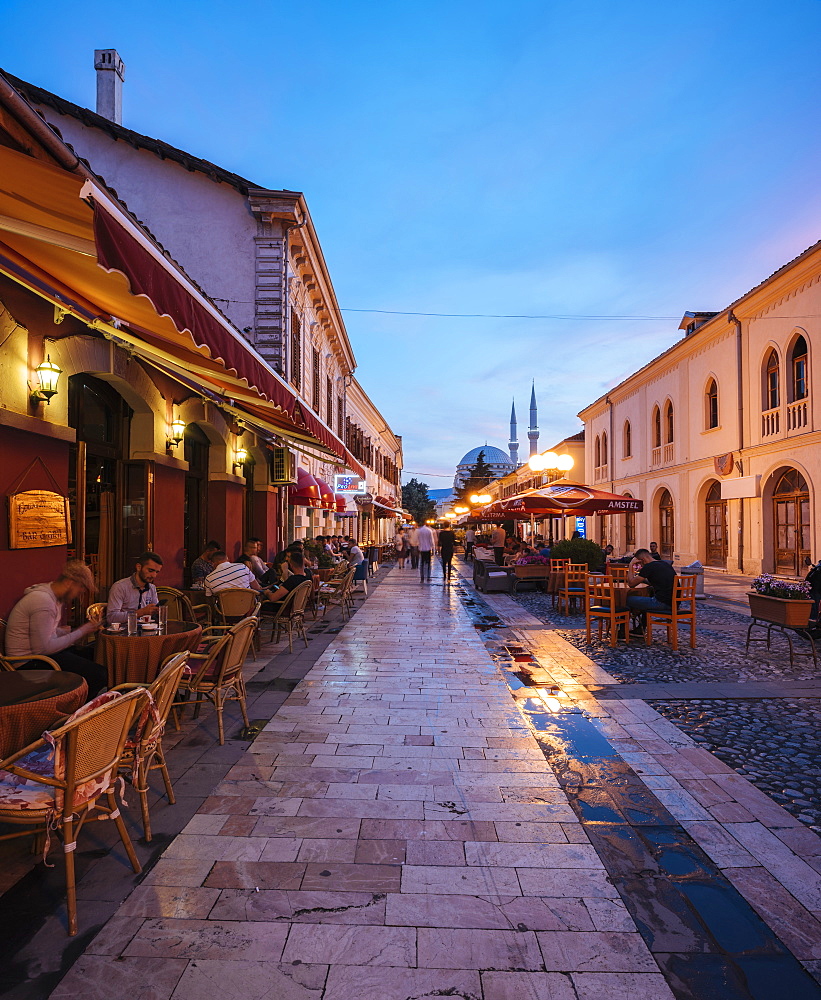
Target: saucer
(150,627)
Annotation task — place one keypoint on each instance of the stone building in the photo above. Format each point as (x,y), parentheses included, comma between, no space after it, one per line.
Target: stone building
(718,435)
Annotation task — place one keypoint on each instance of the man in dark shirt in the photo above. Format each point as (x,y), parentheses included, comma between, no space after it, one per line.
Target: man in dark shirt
(447,541)
(662,578)
(298,575)
(654,550)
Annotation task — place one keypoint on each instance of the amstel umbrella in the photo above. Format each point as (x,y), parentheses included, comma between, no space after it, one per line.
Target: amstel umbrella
(564,498)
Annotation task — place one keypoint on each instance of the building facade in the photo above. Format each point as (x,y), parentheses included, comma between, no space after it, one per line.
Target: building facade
(718,435)
(171,424)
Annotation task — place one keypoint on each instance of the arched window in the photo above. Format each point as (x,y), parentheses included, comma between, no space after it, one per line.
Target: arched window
(656,427)
(716,522)
(667,535)
(668,423)
(627,440)
(791,517)
(771,384)
(597,453)
(604,453)
(799,369)
(711,403)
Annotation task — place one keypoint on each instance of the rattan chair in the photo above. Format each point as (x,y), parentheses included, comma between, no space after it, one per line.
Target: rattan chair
(216,675)
(235,604)
(684,590)
(338,593)
(290,614)
(573,587)
(56,783)
(96,612)
(143,750)
(180,608)
(10,662)
(600,607)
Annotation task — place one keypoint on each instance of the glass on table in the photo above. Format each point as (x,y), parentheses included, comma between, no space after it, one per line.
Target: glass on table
(132,622)
(162,617)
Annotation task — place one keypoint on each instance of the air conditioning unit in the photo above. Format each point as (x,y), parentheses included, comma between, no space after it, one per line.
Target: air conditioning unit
(283,467)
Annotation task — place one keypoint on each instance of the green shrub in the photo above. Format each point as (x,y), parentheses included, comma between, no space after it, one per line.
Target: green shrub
(579,550)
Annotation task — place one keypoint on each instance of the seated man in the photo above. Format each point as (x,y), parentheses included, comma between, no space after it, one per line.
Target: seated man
(229,576)
(34,625)
(660,575)
(202,565)
(136,592)
(296,564)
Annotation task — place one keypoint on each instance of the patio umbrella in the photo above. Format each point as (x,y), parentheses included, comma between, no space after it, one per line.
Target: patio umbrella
(565,498)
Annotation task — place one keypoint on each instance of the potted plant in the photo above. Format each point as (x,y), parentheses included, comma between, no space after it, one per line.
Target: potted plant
(781,602)
(579,550)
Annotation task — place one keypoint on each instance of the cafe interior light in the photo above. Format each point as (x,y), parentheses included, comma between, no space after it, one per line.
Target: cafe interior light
(47,374)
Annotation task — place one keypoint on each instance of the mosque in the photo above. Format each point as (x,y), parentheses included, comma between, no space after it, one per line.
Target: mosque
(500,463)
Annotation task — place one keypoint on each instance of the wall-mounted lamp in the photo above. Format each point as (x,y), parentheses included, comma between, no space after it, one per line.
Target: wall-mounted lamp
(47,373)
(176,432)
(240,457)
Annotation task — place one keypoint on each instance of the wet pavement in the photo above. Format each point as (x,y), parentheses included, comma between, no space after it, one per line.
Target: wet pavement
(457,804)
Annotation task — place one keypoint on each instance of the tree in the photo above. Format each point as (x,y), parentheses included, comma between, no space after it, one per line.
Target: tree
(416,501)
(480,475)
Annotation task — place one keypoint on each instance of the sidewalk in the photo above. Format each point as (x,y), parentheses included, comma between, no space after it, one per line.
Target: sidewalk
(414,822)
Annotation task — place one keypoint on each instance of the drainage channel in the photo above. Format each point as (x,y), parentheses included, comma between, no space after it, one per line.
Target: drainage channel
(706,938)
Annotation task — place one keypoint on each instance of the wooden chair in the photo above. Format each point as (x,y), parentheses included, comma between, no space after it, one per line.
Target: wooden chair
(557,568)
(180,608)
(290,615)
(337,593)
(600,606)
(143,751)
(216,675)
(8,662)
(683,591)
(65,774)
(618,574)
(573,587)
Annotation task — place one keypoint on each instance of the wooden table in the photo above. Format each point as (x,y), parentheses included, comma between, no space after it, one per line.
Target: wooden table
(138,658)
(32,700)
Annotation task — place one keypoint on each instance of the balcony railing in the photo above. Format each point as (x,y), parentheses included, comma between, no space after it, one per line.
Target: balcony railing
(798,416)
(669,453)
(600,473)
(771,422)
(655,456)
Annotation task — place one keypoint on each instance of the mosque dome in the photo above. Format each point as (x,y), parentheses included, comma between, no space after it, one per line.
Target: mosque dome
(493,456)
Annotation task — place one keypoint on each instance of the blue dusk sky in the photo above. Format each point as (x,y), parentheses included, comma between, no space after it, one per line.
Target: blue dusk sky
(576,159)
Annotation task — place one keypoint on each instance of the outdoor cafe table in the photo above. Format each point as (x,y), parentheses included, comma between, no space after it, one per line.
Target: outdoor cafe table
(138,658)
(32,700)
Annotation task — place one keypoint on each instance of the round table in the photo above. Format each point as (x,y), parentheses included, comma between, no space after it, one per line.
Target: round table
(138,658)
(31,700)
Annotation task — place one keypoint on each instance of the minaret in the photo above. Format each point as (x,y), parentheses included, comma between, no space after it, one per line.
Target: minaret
(533,430)
(513,444)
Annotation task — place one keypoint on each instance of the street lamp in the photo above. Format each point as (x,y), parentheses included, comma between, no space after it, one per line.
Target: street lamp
(480,498)
(565,463)
(461,510)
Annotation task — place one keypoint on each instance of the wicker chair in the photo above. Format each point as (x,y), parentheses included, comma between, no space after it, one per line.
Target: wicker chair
(65,774)
(216,675)
(180,608)
(8,662)
(290,614)
(338,593)
(96,612)
(235,604)
(574,586)
(684,590)
(600,606)
(143,751)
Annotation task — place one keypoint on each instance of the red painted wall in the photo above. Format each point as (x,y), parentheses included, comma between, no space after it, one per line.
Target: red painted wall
(266,522)
(169,523)
(20,568)
(225,516)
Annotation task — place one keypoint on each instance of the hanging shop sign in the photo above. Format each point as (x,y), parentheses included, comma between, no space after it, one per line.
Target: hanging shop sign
(38,519)
(349,484)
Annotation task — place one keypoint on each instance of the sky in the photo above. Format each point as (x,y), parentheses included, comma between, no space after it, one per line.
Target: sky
(574,160)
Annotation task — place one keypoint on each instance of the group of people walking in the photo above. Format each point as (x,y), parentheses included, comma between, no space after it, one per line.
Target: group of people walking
(420,543)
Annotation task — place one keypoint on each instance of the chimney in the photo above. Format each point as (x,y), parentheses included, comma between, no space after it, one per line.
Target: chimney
(110,75)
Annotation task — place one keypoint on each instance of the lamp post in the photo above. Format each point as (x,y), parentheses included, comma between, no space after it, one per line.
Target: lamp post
(548,461)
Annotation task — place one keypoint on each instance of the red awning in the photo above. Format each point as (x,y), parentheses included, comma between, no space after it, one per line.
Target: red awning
(386,501)
(306,492)
(564,497)
(326,494)
(340,503)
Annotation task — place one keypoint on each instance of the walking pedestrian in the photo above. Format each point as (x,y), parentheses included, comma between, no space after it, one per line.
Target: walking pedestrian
(447,541)
(470,541)
(426,543)
(413,542)
(402,547)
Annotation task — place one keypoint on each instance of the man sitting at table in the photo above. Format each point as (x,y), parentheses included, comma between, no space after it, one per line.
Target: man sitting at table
(296,563)
(136,592)
(228,575)
(202,565)
(34,625)
(662,578)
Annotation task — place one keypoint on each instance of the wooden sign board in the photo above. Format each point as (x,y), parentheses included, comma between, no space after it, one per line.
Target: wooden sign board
(38,519)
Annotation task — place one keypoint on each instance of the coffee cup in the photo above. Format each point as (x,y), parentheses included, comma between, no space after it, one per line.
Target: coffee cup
(115,626)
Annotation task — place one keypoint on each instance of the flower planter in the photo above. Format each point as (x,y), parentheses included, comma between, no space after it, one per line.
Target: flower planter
(533,571)
(780,610)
